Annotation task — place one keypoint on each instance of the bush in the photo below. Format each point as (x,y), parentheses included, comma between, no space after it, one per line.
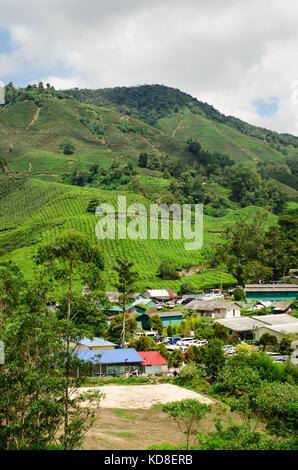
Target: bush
(67,147)
(168,271)
(189,371)
(238,294)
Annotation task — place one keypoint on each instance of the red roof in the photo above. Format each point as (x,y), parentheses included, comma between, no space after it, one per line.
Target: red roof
(152,358)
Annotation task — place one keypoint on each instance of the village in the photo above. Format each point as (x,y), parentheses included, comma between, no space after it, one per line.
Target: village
(267,310)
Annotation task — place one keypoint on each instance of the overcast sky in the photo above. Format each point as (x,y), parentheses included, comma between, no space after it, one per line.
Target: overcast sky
(240,56)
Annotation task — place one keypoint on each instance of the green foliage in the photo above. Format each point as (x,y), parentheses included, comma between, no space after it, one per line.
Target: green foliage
(215,359)
(163,352)
(36,409)
(114,332)
(143,160)
(68,147)
(268,340)
(285,345)
(156,323)
(170,331)
(144,343)
(189,371)
(187,414)
(69,258)
(167,270)
(176,358)
(92,205)
(238,294)
(239,437)
(125,284)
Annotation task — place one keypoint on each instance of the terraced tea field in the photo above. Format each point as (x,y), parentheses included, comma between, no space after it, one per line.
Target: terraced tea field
(35,211)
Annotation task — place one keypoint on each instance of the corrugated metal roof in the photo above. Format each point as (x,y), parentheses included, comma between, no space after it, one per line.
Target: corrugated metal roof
(152,358)
(173,313)
(240,323)
(95,342)
(284,328)
(209,305)
(276,319)
(110,356)
(270,287)
(250,323)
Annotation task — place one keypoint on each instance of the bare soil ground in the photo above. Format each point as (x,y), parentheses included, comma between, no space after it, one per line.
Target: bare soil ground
(118,429)
(143,396)
(131,417)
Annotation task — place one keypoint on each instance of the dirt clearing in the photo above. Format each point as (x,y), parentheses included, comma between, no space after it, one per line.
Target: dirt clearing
(143,396)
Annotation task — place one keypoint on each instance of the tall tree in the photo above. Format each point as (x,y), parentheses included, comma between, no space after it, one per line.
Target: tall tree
(71,260)
(126,286)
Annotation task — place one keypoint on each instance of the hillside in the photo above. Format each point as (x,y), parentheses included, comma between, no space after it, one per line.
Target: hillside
(35,211)
(57,154)
(30,137)
(182,116)
(118,124)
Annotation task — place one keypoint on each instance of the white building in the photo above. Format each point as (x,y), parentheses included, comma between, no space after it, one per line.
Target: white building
(215,309)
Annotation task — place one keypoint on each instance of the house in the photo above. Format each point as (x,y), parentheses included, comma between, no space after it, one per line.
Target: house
(86,344)
(279,331)
(281,307)
(214,309)
(261,304)
(112,362)
(271,292)
(114,296)
(161,295)
(115,309)
(250,327)
(153,363)
(149,303)
(167,318)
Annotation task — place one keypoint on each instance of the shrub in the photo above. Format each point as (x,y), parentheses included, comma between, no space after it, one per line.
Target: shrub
(238,294)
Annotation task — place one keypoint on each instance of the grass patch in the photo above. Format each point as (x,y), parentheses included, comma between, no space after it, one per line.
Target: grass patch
(119,434)
(97,381)
(123,414)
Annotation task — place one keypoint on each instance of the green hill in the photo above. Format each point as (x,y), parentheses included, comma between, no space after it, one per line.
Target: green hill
(177,112)
(46,134)
(35,211)
(118,124)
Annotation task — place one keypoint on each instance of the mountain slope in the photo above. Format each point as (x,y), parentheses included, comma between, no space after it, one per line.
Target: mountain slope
(181,116)
(30,137)
(35,211)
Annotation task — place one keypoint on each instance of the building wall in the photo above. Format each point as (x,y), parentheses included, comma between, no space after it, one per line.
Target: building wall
(271,295)
(223,313)
(143,322)
(260,331)
(156,369)
(171,321)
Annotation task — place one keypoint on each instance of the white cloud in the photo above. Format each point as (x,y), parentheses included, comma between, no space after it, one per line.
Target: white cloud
(61,83)
(226,53)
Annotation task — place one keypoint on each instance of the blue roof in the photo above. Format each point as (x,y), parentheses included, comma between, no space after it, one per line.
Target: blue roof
(95,342)
(110,356)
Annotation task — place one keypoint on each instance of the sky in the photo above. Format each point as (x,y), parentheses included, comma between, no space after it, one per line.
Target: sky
(239,56)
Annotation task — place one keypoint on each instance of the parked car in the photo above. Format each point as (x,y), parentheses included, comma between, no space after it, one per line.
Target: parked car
(174,340)
(171,347)
(228,349)
(167,339)
(198,342)
(184,341)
